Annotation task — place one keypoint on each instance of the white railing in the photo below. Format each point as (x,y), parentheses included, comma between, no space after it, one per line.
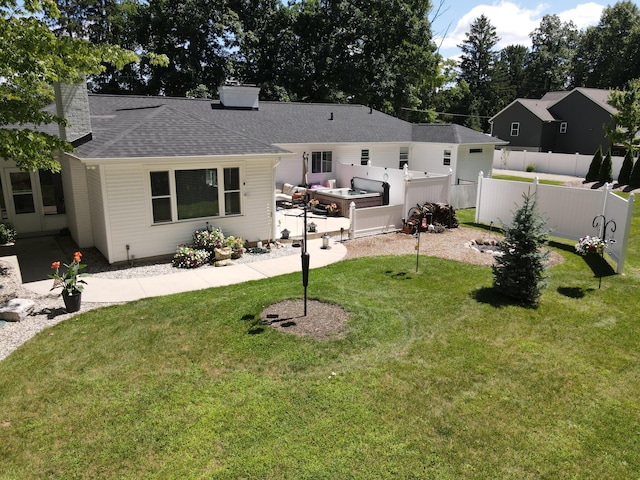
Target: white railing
(570,212)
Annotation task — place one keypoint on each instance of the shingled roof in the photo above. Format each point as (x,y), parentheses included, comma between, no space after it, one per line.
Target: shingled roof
(451,133)
(129,126)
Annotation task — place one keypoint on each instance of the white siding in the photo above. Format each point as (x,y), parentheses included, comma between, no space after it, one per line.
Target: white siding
(129,209)
(428,158)
(76,197)
(97,204)
(469,165)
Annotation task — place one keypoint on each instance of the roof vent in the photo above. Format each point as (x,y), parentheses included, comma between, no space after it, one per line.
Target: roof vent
(239,96)
(331,117)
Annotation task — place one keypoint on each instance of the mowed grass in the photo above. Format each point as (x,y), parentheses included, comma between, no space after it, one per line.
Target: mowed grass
(527,179)
(437,377)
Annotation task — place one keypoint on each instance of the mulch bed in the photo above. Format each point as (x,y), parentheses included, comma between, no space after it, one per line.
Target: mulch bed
(323,320)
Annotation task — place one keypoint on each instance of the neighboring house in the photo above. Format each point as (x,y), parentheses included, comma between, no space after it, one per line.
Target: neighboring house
(148,171)
(562,122)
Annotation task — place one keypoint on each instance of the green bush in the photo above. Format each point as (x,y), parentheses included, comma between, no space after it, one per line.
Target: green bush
(626,169)
(605,173)
(594,167)
(634,179)
(531,168)
(7,233)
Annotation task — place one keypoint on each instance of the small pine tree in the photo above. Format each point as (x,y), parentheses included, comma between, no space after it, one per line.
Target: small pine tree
(605,174)
(519,271)
(594,168)
(634,179)
(626,169)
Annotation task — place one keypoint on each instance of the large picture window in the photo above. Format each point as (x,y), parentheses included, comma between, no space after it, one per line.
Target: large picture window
(321,162)
(187,194)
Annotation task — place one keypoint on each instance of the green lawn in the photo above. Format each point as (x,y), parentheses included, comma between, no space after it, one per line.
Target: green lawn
(527,179)
(436,378)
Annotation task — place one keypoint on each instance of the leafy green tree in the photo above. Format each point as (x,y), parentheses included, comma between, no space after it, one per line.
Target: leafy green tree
(375,53)
(626,169)
(605,173)
(519,272)
(514,58)
(608,53)
(32,58)
(549,65)
(625,124)
(594,166)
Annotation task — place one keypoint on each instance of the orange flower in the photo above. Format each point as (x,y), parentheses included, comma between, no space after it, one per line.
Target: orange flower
(55,265)
(77,257)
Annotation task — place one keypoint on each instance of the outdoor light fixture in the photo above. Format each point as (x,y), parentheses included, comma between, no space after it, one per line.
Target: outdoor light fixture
(284,234)
(325,241)
(312,227)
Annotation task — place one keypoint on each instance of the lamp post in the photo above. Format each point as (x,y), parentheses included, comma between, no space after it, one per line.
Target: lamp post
(305,255)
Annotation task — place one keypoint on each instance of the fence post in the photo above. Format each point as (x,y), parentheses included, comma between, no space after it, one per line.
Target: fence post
(478,196)
(625,240)
(352,216)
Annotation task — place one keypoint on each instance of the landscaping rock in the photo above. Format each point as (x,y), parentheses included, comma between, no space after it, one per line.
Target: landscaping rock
(16,309)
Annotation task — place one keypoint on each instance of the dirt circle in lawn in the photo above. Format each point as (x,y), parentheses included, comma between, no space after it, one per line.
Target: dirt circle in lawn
(323,320)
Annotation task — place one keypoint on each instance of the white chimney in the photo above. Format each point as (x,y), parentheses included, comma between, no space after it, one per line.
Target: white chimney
(239,96)
(72,103)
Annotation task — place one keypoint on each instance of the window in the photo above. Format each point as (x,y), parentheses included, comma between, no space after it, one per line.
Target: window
(187,194)
(52,196)
(321,162)
(446,157)
(475,150)
(364,157)
(404,157)
(515,129)
(563,127)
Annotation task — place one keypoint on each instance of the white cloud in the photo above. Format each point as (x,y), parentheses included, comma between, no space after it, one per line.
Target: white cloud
(583,15)
(514,23)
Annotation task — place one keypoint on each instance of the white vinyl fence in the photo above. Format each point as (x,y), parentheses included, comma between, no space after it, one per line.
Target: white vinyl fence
(570,212)
(547,162)
(463,195)
(388,218)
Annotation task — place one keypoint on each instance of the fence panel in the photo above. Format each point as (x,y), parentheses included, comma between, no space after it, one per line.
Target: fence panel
(463,196)
(569,212)
(428,189)
(572,164)
(376,220)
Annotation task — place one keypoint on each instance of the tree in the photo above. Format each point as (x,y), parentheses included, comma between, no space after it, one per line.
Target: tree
(519,271)
(478,70)
(607,54)
(594,167)
(550,61)
(634,179)
(605,173)
(626,169)
(625,124)
(513,58)
(32,58)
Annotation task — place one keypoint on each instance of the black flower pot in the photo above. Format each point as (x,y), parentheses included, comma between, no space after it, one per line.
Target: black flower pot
(72,301)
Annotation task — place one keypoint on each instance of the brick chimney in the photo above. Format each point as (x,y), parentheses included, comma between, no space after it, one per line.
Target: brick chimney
(72,103)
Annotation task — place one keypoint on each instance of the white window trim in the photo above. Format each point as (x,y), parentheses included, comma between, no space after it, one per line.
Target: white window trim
(322,160)
(173,195)
(515,127)
(563,127)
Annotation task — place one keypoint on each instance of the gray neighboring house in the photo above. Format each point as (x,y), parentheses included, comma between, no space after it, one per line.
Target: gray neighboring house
(561,122)
(148,171)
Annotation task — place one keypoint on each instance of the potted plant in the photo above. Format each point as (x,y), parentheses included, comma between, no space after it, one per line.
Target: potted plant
(332,210)
(70,282)
(236,245)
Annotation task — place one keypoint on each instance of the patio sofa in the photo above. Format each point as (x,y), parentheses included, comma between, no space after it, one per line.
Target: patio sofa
(288,193)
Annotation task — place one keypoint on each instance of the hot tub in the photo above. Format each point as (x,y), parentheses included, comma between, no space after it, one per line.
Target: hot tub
(343,197)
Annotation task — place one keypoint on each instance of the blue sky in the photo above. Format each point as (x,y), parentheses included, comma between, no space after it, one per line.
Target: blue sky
(514,19)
